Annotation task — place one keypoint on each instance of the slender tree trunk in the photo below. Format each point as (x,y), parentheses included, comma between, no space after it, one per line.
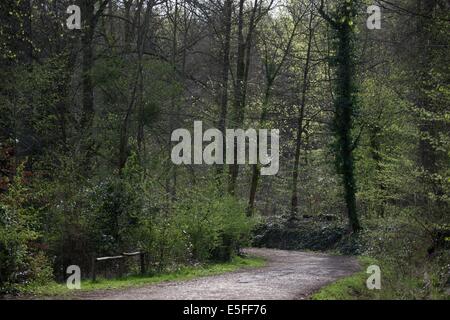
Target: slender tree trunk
(173,120)
(225,73)
(90,19)
(294,197)
(248,51)
(238,111)
(375,148)
(127,26)
(242,72)
(88,60)
(271,75)
(256,171)
(137,87)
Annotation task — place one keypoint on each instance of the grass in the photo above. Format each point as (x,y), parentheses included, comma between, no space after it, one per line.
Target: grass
(184,273)
(394,286)
(349,288)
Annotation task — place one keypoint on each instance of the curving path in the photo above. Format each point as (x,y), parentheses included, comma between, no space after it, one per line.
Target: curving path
(287,275)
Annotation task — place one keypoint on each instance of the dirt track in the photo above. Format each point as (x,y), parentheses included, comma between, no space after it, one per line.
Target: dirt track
(287,275)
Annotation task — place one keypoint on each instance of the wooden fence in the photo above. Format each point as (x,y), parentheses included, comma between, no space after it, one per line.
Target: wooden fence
(124,255)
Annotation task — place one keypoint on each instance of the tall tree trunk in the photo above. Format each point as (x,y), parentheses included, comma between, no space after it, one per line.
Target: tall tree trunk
(238,110)
(242,72)
(271,75)
(175,108)
(127,25)
(225,72)
(256,171)
(375,150)
(91,18)
(137,87)
(345,105)
(298,145)
(344,121)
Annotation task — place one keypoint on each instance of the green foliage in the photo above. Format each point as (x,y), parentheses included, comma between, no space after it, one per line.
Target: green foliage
(108,215)
(400,248)
(394,285)
(92,118)
(19,262)
(215,224)
(385,168)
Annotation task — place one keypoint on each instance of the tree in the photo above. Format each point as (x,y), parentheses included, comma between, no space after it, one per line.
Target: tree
(226,25)
(274,59)
(300,119)
(243,55)
(345,105)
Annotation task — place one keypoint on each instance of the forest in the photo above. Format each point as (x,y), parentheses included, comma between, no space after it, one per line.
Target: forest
(357,90)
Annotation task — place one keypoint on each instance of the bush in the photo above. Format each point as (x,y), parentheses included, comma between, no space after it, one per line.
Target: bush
(201,225)
(164,243)
(215,225)
(402,244)
(235,227)
(41,271)
(17,230)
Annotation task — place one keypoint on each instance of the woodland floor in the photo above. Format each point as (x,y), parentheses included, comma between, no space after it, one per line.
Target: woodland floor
(287,275)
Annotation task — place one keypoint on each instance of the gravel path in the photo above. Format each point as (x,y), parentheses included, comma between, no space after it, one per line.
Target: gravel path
(287,275)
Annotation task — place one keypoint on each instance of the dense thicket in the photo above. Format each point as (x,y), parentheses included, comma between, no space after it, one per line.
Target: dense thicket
(86,118)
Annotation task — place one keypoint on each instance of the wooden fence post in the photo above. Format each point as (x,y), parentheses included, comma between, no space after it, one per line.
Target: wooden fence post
(142,259)
(94,276)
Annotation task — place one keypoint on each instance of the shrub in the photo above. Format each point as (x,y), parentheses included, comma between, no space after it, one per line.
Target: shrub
(215,225)
(17,229)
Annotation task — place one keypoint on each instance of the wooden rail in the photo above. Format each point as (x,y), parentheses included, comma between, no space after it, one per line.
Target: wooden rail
(122,256)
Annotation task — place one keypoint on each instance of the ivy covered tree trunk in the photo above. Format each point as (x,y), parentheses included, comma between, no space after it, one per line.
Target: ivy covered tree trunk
(344,106)
(344,102)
